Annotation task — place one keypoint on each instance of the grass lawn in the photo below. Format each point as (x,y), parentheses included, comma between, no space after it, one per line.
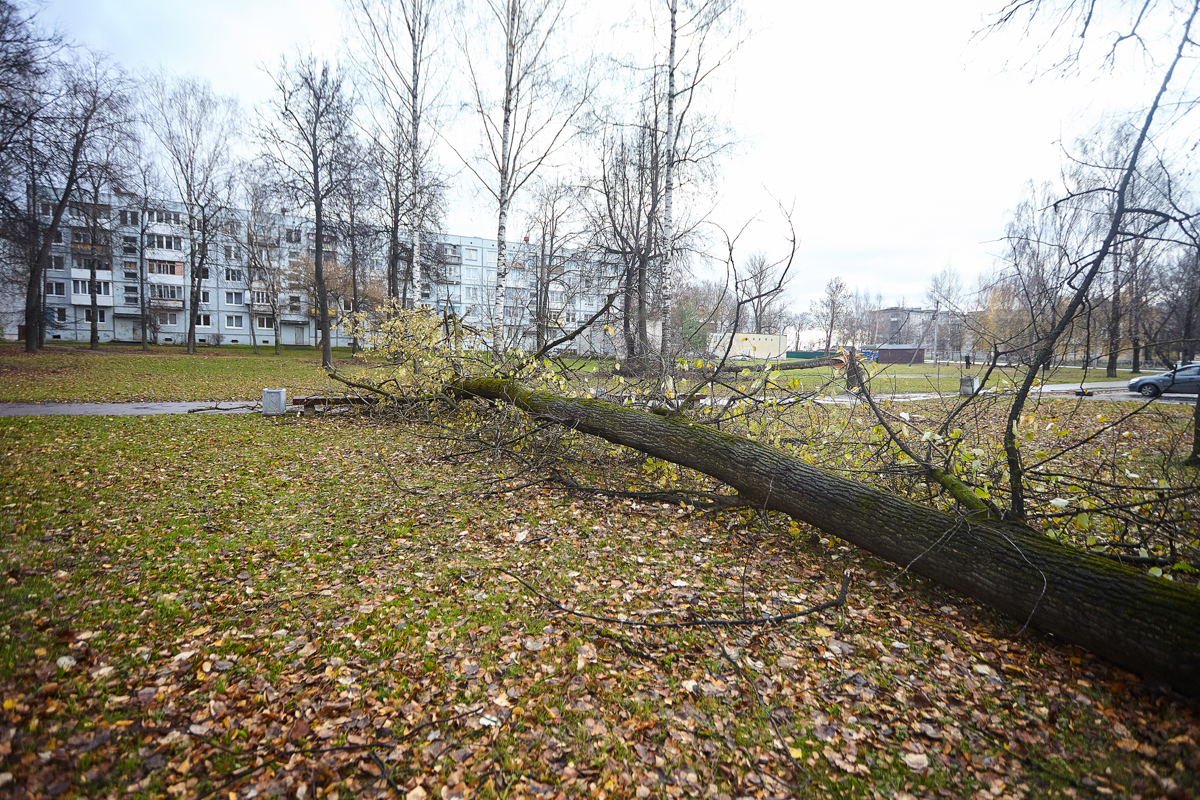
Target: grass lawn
(120,374)
(237,607)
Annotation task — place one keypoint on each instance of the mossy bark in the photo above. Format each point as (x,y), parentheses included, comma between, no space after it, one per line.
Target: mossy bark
(1147,625)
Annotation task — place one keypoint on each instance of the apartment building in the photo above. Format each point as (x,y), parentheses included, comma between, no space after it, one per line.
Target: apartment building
(256,281)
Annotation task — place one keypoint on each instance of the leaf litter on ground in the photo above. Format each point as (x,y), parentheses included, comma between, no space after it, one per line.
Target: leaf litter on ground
(241,607)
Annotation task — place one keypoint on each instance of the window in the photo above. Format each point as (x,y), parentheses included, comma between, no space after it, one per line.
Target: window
(80,236)
(231,253)
(46,210)
(129,218)
(168,318)
(60,315)
(129,245)
(58,236)
(233,228)
(87,315)
(165,242)
(165,216)
(260,274)
(103,288)
(56,289)
(204,320)
(131,270)
(233,321)
(89,263)
(233,298)
(131,295)
(294,302)
(166,291)
(58,262)
(204,296)
(471,254)
(262,298)
(265,322)
(471,273)
(165,268)
(204,273)
(348,304)
(292,235)
(233,275)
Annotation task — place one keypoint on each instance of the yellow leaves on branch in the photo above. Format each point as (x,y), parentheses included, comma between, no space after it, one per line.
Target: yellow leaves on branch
(420,345)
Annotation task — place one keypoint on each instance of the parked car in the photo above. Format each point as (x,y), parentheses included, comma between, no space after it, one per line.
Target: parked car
(1185,379)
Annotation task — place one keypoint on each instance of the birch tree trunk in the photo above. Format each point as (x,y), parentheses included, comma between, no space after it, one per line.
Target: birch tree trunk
(415,156)
(503,195)
(665,296)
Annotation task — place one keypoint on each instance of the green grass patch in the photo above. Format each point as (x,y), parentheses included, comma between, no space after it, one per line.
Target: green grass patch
(253,601)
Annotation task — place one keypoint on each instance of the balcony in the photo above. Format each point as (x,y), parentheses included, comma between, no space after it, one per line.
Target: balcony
(103,301)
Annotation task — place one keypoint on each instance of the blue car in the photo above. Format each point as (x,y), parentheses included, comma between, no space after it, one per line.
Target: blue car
(1184,379)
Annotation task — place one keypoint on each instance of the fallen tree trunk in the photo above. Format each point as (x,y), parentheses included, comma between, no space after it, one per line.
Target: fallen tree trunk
(1147,625)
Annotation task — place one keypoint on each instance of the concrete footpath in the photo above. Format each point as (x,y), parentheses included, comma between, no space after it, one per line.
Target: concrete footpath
(123,409)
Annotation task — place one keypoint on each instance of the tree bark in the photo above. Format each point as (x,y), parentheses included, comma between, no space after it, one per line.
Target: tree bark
(1144,624)
(1193,459)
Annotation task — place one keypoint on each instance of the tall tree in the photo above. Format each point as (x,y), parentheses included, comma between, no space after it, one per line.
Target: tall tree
(1122,215)
(28,59)
(350,217)
(264,253)
(828,310)
(196,129)
(304,132)
(704,24)
(541,96)
(558,273)
(87,102)
(395,61)
(143,190)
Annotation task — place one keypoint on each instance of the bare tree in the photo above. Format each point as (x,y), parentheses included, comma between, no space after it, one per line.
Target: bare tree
(350,218)
(763,284)
(528,120)
(304,131)
(703,22)
(264,254)
(142,191)
(557,276)
(827,311)
(87,104)
(196,129)
(28,61)
(395,62)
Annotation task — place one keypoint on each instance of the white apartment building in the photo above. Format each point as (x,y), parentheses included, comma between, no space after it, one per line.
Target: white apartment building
(254,284)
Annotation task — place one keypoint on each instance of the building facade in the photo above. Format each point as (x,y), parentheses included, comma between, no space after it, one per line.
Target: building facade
(256,282)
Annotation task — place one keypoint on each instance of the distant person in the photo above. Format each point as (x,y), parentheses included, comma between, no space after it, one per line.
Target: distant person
(967,360)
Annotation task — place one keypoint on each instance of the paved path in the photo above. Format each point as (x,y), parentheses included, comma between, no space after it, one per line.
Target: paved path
(121,409)
(1104,391)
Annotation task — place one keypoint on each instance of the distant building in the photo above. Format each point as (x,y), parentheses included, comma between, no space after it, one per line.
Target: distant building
(938,331)
(901,354)
(750,345)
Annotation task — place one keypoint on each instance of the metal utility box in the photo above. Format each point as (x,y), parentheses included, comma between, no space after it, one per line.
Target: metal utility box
(274,402)
(968,385)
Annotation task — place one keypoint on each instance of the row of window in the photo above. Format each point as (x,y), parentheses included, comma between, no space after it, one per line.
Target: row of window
(232,321)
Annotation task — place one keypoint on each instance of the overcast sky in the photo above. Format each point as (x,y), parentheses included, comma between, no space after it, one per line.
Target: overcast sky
(897,137)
